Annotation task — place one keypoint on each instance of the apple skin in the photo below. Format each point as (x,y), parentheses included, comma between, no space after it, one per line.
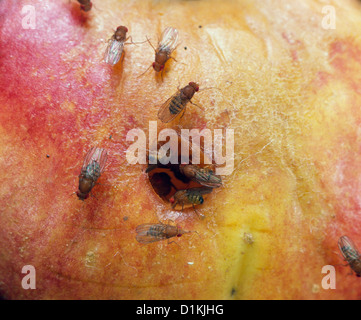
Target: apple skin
(290,89)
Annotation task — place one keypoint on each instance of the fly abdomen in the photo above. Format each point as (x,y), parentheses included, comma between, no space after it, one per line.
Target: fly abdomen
(93,170)
(155,231)
(195,198)
(175,105)
(350,253)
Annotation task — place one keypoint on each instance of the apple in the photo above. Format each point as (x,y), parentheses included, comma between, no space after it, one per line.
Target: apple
(289,86)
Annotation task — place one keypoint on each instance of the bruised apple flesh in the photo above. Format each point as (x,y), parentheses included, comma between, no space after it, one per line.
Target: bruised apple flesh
(288,79)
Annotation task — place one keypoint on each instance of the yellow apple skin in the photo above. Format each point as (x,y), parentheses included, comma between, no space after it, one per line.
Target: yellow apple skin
(290,89)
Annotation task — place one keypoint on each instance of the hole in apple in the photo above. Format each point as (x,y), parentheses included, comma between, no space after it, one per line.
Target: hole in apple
(167,179)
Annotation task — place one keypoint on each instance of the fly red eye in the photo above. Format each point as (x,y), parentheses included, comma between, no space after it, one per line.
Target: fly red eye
(171,200)
(153,64)
(194,85)
(126,29)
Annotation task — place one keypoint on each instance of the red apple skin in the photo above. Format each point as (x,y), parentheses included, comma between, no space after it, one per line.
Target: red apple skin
(290,89)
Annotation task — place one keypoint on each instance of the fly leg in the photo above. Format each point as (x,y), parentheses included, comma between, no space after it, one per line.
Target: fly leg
(174,204)
(194,231)
(173,58)
(145,71)
(177,60)
(161,73)
(150,65)
(184,111)
(198,214)
(194,208)
(131,41)
(151,45)
(169,242)
(196,105)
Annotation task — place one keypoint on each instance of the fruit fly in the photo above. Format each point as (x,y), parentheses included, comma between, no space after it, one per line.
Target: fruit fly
(189,196)
(203,176)
(153,232)
(116,45)
(351,254)
(85,5)
(93,166)
(167,44)
(177,102)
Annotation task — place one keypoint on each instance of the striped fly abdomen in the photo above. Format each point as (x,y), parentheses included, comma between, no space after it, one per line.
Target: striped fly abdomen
(349,253)
(93,170)
(156,230)
(176,105)
(195,197)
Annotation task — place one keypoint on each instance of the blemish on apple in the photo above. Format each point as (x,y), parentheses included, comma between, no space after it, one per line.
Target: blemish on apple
(248,238)
(90,259)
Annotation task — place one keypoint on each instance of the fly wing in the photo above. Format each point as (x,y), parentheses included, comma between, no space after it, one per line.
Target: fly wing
(95,154)
(208,179)
(203,190)
(150,232)
(348,248)
(113,52)
(100,156)
(170,109)
(202,176)
(168,40)
(88,158)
